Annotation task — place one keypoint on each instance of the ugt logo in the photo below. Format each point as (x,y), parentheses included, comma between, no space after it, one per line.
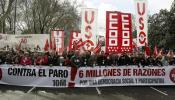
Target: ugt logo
(0,74)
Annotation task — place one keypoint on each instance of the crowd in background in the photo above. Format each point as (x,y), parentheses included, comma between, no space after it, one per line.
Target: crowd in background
(84,59)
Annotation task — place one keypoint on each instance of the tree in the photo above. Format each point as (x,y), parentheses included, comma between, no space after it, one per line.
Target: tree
(41,17)
(160,29)
(171,22)
(5,10)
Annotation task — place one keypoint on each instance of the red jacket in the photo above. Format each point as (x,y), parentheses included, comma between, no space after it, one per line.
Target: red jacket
(46,60)
(25,61)
(42,60)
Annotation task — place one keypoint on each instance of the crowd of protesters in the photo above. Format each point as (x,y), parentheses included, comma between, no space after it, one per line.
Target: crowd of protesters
(85,59)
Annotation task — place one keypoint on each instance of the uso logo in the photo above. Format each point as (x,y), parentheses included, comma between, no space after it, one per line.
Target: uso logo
(172,75)
(0,74)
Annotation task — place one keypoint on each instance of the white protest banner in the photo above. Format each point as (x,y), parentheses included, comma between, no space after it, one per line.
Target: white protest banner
(125,76)
(34,76)
(89,28)
(26,40)
(141,7)
(118,32)
(58,40)
(59,77)
(75,36)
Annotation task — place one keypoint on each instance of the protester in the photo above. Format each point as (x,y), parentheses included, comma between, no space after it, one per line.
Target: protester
(84,59)
(101,59)
(16,59)
(26,60)
(124,59)
(151,61)
(74,58)
(53,59)
(134,60)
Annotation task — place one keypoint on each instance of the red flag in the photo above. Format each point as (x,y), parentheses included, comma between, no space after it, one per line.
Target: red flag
(136,49)
(46,47)
(77,44)
(155,51)
(74,36)
(74,45)
(147,51)
(97,48)
(54,46)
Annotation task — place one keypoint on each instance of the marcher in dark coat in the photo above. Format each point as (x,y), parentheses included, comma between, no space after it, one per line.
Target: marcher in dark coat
(75,60)
(84,60)
(134,60)
(101,59)
(150,61)
(124,59)
(142,60)
(113,59)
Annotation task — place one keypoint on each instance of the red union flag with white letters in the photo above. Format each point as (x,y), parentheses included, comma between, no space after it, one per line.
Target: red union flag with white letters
(89,28)
(118,32)
(141,22)
(75,37)
(57,39)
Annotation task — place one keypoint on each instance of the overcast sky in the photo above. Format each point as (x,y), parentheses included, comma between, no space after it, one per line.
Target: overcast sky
(122,5)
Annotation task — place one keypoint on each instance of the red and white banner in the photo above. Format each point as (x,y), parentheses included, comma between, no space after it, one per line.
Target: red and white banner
(57,39)
(75,36)
(62,77)
(89,28)
(24,41)
(142,22)
(118,32)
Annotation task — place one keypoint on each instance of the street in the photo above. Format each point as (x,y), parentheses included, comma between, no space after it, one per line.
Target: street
(100,93)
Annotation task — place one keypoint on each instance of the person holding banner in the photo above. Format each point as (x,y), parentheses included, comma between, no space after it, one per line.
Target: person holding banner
(101,59)
(114,59)
(2,58)
(92,60)
(16,59)
(25,60)
(124,59)
(75,59)
(85,57)
(8,58)
(134,59)
(42,59)
(151,61)
(142,60)
(53,59)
